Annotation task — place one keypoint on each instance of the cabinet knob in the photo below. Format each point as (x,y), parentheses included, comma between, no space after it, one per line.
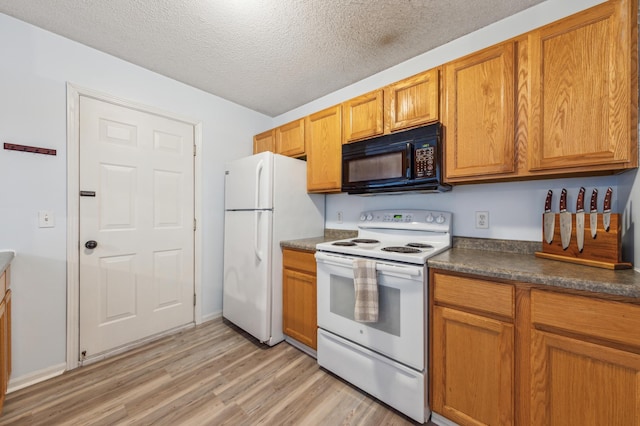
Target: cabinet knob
(91,244)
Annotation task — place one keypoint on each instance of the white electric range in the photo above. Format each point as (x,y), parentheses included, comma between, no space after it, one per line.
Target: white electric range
(388,358)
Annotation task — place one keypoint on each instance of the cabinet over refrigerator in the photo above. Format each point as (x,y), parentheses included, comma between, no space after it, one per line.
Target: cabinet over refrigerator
(266,201)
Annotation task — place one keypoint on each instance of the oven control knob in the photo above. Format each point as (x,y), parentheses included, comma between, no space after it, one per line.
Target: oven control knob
(369,216)
(429,218)
(440,219)
(363,216)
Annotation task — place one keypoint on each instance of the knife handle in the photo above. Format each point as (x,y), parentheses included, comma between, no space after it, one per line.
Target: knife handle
(594,201)
(607,199)
(547,202)
(580,202)
(563,200)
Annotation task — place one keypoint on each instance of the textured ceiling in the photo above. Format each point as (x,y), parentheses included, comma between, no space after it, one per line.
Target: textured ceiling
(268,55)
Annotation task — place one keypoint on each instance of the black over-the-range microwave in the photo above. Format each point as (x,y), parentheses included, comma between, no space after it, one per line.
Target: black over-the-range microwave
(403,161)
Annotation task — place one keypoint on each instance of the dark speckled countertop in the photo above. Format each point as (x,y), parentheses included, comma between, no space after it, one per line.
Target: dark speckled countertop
(309,244)
(511,260)
(516,261)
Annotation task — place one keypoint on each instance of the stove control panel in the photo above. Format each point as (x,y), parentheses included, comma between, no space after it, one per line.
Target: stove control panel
(409,219)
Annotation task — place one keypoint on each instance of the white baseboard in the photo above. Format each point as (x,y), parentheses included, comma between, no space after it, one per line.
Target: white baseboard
(211,317)
(18,383)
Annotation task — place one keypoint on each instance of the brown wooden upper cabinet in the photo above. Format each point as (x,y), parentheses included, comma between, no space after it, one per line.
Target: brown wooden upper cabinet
(583,104)
(412,102)
(407,103)
(290,139)
(265,141)
(558,101)
(363,116)
(324,150)
(479,113)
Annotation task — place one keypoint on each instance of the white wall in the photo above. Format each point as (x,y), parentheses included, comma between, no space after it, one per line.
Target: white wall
(34,70)
(515,208)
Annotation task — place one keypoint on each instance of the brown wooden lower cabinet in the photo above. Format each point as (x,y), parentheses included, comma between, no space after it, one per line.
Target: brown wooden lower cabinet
(585,361)
(299,296)
(553,358)
(472,352)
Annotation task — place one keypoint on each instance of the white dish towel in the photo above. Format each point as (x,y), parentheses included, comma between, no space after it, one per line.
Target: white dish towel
(366,286)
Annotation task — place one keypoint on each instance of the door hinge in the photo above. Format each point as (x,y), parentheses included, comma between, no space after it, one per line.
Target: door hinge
(194,299)
(194,150)
(195,224)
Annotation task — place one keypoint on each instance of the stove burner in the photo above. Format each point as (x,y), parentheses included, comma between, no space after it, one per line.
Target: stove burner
(420,245)
(343,243)
(365,241)
(400,249)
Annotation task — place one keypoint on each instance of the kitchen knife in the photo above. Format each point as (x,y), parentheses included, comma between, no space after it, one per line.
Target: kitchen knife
(565,221)
(549,219)
(606,213)
(593,216)
(580,220)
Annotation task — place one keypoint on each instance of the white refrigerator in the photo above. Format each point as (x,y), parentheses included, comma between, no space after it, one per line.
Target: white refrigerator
(266,201)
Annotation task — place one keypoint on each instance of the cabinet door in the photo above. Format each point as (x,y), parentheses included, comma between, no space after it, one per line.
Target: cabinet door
(412,101)
(299,307)
(363,116)
(583,95)
(580,383)
(324,150)
(264,142)
(479,114)
(472,368)
(290,139)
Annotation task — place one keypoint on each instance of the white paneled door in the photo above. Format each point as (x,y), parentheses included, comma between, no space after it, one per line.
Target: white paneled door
(136,225)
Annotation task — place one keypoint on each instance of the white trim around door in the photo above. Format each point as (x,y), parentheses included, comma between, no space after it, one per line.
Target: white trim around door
(73,207)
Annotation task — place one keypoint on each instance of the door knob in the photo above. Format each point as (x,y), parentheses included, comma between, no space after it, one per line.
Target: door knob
(91,244)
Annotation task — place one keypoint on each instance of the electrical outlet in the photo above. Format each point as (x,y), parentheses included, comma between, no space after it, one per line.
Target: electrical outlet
(482,220)
(339,217)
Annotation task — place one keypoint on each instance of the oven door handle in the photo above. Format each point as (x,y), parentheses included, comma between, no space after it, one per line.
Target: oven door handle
(394,270)
(399,271)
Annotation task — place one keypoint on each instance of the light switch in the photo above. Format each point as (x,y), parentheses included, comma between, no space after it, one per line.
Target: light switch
(46,219)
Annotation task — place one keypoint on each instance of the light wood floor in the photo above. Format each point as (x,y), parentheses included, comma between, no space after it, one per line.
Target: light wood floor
(213,374)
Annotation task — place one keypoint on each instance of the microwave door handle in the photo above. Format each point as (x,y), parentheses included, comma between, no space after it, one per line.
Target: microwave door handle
(407,169)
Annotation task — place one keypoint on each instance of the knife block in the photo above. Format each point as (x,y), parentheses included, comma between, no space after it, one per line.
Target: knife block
(604,251)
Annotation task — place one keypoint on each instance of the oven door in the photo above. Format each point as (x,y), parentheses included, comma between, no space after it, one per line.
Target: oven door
(400,330)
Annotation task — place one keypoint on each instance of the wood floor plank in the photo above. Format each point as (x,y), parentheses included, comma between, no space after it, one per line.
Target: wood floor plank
(212,374)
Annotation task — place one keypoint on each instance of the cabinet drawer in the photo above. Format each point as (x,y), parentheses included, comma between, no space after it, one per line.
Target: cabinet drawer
(480,295)
(299,260)
(613,321)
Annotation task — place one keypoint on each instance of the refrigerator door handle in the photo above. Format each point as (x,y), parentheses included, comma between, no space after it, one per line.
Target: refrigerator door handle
(256,243)
(259,168)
